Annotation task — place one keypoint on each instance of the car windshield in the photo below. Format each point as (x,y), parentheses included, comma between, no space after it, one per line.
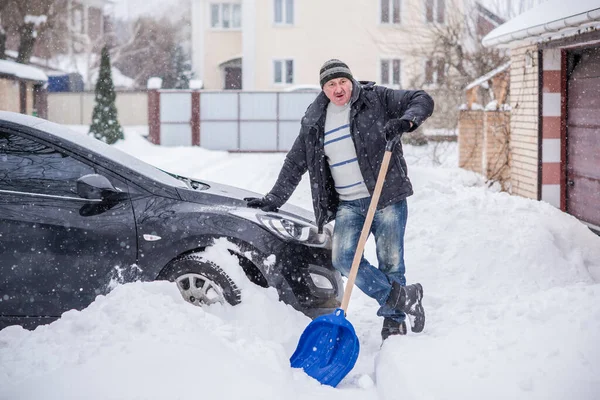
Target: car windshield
(115,154)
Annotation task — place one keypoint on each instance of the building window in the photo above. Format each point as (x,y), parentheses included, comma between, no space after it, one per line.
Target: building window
(236,15)
(283,71)
(390,72)
(435,11)
(226,16)
(435,71)
(284,12)
(390,11)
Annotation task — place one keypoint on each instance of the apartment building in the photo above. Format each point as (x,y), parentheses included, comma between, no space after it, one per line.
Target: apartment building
(278,44)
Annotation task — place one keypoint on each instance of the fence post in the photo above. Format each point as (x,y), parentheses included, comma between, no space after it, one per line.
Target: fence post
(154,116)
(277,122)
(40,101)
(239,122)
(195,118)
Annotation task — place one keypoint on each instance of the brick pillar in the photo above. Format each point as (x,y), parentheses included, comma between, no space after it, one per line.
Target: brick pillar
(40,101)
(552,119)
(23,97)
(195,123)
(154,116)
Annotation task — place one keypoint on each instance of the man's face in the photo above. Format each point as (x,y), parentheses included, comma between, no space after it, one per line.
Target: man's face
(338,90)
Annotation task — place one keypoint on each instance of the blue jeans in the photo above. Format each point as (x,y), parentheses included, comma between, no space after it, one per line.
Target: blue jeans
(388,229)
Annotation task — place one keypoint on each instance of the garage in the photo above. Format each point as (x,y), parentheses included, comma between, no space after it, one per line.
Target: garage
(583,135)
(554,148)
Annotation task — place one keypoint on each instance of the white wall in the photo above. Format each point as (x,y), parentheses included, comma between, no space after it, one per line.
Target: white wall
(77,108)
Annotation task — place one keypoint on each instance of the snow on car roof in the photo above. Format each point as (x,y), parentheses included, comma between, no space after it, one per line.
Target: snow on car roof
(94,145)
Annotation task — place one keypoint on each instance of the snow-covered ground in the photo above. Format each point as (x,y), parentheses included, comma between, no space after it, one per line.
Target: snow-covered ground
(511,294)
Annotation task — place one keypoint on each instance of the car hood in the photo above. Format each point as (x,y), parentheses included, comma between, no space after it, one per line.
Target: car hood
(233,196)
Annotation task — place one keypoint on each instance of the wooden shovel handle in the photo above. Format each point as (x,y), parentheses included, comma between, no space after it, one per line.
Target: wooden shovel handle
(366,228)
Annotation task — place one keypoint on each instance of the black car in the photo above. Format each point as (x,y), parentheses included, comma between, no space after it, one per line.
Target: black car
(78,216)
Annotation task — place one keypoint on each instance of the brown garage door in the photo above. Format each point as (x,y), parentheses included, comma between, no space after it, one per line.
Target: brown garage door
(583,137)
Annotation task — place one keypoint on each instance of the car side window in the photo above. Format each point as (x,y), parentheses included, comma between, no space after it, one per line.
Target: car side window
(33,167)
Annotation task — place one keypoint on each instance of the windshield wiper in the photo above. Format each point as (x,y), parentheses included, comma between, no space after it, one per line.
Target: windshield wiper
(192,184)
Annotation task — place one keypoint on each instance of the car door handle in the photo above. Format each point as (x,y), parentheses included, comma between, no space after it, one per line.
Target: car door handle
(571,182)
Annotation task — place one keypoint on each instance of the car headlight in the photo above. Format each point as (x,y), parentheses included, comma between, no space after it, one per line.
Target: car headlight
(288,228)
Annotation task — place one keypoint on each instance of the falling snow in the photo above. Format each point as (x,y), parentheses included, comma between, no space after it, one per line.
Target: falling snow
(511,295)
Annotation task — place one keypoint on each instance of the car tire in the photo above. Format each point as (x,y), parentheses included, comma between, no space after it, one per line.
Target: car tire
(202,282)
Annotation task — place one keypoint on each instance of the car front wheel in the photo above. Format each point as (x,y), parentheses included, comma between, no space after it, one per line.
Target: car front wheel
(202,282)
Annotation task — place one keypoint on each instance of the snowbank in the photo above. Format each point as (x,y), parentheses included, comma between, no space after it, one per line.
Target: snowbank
(513,311)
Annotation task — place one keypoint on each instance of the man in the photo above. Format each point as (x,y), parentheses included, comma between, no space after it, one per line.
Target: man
(341,143)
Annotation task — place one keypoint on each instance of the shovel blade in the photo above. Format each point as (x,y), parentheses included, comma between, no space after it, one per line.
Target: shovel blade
(328,348)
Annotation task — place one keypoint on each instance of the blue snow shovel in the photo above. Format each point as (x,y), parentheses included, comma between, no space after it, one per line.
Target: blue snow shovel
(328,347)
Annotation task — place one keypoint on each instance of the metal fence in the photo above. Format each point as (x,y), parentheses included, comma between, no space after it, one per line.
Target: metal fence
(228,120)
(217,120)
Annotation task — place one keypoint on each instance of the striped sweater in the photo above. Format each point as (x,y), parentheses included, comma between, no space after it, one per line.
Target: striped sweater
(341,154)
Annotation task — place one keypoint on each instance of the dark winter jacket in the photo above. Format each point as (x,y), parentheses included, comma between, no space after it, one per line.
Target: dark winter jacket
(371,107)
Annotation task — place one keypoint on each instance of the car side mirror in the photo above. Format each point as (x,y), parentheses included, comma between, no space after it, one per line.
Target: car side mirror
(95,187)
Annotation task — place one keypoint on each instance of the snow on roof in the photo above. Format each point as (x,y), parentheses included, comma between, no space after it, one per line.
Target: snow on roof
(22,71)
(553,16)
(488,76)
(45,65)
(78,63)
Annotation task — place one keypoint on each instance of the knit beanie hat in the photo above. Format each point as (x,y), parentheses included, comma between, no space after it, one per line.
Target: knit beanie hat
(334,69)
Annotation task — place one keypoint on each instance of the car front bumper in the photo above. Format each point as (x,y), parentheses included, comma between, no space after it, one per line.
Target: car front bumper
(311,286)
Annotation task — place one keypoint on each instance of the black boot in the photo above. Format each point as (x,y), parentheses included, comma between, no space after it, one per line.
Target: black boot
(392,327)
(408,300)
(414,307)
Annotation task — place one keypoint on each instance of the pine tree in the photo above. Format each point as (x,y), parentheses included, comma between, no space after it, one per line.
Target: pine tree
(178,73)
(105,125)
(183,69)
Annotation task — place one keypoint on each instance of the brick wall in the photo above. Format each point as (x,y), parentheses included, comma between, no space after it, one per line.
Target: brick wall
(483,140)
(470,140)
(524,81)
(10,96)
